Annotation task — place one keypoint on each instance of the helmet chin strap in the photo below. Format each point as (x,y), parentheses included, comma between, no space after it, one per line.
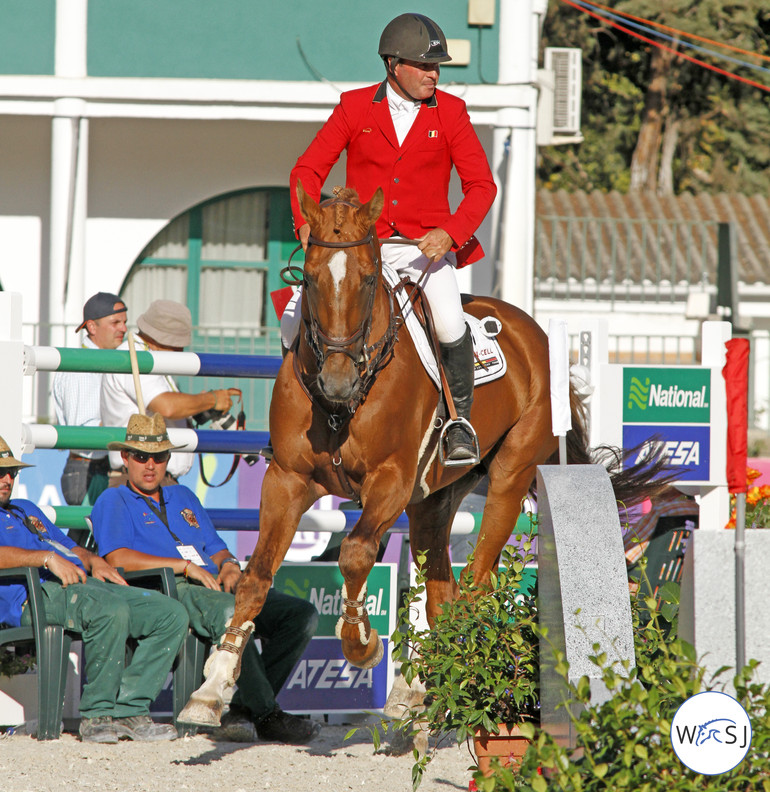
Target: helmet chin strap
(391,70)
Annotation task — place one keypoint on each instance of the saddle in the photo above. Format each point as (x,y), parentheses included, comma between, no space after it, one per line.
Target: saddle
(489,360)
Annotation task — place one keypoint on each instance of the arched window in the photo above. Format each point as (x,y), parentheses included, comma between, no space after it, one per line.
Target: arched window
(222,258)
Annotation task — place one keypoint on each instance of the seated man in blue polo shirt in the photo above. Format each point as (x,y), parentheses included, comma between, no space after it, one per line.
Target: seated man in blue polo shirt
(141,525)
(82,592)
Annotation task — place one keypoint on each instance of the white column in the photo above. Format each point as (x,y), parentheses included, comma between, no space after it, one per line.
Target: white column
(760,368)
(519,26)
(12,363)
(69,172)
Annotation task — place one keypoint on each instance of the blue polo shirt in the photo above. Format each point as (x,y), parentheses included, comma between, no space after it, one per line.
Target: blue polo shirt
(124,518)
(23,525)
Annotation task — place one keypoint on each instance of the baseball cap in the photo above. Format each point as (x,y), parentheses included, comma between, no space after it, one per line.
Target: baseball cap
(100,305)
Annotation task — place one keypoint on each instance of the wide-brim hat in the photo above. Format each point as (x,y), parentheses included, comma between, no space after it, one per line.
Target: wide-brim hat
(145,433)
(167,322)
(7,459)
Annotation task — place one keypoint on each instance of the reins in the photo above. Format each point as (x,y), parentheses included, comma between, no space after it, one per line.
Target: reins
(240,425)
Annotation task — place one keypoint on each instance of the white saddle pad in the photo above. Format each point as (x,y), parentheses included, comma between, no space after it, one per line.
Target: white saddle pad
(489,364)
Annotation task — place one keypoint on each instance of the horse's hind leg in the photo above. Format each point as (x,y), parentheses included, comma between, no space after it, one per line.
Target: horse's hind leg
(511,474)
(430,524)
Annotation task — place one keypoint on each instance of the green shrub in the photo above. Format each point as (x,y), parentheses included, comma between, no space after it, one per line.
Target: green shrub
(624,743)
(479,663)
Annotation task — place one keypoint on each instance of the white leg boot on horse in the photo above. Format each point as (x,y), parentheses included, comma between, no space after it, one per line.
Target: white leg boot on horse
(461,444)
(221,672)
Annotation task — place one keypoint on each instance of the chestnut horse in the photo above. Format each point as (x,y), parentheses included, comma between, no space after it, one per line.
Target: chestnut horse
(354,414)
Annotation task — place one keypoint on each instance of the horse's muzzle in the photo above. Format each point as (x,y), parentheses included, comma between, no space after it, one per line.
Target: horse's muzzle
(339,381)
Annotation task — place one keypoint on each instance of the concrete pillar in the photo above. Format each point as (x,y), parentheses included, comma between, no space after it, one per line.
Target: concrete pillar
(583,594)
(707,605)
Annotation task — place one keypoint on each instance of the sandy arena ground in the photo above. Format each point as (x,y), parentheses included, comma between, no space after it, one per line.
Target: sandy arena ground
(199,764)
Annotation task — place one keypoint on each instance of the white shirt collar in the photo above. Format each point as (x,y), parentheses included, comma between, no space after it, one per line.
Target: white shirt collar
(399,103)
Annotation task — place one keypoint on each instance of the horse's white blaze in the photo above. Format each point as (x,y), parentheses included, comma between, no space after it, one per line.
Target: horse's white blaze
(338,268)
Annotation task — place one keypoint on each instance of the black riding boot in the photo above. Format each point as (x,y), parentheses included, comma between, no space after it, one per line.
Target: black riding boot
(461,446)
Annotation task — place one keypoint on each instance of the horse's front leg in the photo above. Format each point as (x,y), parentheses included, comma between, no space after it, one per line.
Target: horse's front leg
(285,497)
(361,644)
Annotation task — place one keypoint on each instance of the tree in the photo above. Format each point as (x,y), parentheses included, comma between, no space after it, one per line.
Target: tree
(652,120)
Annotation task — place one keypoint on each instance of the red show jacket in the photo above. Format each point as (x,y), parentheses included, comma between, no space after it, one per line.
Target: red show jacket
(414,176)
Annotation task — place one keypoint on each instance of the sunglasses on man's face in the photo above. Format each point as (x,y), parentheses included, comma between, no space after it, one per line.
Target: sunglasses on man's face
(142,457)
(9,471)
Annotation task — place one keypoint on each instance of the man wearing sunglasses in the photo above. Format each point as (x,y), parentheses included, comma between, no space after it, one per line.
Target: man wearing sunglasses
(143,525)
(87,595)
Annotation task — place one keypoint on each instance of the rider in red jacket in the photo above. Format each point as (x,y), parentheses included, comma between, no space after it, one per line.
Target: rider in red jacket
(404,135)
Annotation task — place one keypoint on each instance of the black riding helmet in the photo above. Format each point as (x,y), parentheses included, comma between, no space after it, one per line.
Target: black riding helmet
(413,37)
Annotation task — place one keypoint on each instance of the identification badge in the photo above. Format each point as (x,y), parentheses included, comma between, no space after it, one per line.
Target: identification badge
(189,553)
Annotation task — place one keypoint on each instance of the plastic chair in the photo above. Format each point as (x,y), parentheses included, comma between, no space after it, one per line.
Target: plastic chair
(665,552)
(188,667)
(52,644)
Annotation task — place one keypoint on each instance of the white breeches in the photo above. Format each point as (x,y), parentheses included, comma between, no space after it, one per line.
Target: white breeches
(440,285)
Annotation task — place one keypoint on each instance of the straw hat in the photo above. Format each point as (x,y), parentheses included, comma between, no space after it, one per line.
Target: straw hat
(145,433)
(7,459)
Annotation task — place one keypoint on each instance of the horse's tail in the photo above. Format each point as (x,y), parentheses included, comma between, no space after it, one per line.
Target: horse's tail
(632,481)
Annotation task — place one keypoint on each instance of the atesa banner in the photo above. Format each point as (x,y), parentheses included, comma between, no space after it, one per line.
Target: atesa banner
(323,681)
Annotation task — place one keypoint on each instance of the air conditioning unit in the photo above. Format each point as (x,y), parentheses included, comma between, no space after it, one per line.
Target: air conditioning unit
(566,65)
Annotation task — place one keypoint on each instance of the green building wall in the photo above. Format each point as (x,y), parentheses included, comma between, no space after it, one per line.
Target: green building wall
(27,30)
(235,39)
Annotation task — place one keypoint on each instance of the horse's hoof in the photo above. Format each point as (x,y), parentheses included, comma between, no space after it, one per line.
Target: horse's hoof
(403,698)
(201,712)
(360,658)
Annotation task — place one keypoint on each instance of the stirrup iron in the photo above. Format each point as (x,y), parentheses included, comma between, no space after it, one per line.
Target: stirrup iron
(458,462)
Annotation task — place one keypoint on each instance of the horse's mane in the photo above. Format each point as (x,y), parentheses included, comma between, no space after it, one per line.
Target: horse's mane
(343,196)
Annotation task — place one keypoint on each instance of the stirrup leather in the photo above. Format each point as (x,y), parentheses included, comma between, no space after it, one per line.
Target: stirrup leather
(474,460)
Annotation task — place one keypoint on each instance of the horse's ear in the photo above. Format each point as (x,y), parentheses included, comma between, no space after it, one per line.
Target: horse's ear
(309,209)
(371,211)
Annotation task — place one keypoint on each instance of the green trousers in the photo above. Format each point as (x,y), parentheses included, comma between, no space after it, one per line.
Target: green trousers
(284,627)
(106,616)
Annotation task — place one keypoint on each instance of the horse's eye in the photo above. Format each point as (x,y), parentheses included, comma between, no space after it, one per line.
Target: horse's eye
(369,281)
(309,281)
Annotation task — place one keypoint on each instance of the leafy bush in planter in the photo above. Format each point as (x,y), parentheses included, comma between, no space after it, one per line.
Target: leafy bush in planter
(479,663)
(624,743)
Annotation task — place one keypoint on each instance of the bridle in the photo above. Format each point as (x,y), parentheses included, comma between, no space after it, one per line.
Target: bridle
(317,339)
(371,358)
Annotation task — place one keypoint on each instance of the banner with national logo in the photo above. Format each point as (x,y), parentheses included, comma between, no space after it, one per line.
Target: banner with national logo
(666,395)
